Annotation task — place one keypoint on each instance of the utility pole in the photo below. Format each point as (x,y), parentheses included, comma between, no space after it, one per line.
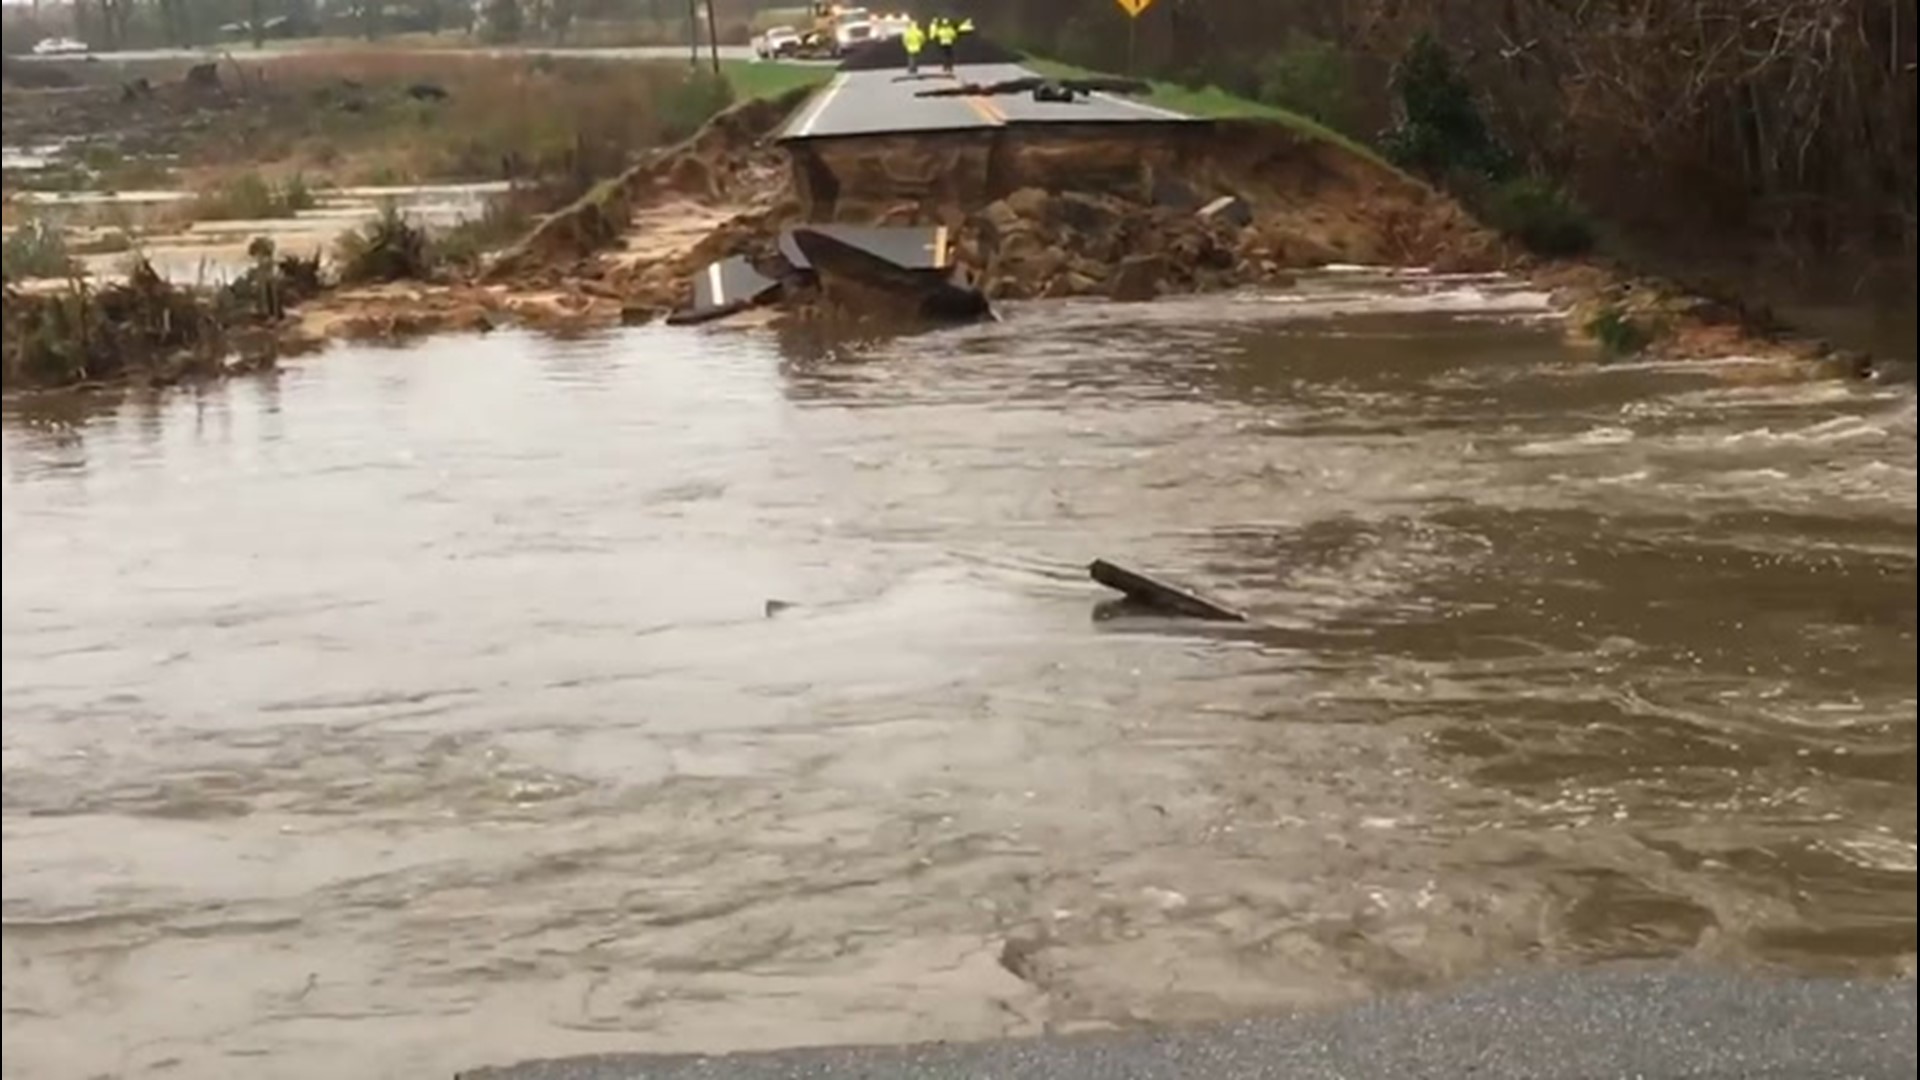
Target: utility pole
(713,37)
(693,33)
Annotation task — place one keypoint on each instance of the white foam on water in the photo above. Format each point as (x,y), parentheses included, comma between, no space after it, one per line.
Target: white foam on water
(1586,440)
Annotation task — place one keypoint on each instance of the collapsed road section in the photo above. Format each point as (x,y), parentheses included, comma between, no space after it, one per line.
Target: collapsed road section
(842,145)
(910,196)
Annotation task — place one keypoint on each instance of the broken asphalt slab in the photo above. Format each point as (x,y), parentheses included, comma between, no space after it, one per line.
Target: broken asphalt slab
(856,282)
(723,288)
(908,247)
(900,271)
(1653,1024)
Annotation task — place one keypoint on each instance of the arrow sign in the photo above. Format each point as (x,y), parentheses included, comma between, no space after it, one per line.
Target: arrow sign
(1133,8)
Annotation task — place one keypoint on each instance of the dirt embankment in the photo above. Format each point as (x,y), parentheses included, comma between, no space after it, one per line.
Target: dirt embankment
(622,252)
(1227,205)
(1130,212)
(726,164)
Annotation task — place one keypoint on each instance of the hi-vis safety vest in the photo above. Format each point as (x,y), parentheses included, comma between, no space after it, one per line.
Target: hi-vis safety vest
(914,38)
(945,33)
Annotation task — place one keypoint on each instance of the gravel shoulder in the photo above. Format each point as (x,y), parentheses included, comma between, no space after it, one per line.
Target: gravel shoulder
(1647,1024)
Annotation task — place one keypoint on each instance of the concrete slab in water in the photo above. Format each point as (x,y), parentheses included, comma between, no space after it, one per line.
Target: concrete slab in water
(724,288)
(866,285)
(729,282)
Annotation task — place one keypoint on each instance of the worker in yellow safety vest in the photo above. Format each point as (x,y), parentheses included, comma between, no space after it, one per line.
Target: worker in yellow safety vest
(945,33)
(913,39)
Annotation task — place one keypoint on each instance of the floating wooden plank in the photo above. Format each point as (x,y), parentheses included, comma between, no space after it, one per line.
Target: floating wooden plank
(1160,595)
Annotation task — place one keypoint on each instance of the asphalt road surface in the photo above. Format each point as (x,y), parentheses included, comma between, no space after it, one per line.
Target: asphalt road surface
(1643,1025)
(883,102)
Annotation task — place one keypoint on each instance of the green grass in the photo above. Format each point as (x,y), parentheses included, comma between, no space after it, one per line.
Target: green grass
(1213,103)
(765,79)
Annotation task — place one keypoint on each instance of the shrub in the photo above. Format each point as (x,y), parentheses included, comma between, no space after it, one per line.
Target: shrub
(140,326)
(504,221)
(1540,215)
(1310,77)
(1441,129)
(270,285)
(391,248)
(37,249)
(1618,333)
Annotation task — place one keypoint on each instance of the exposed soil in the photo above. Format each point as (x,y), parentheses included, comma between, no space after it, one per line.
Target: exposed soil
(644,227)
(1053,213)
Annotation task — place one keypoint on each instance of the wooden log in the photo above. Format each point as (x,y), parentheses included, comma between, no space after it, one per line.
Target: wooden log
(1160,595)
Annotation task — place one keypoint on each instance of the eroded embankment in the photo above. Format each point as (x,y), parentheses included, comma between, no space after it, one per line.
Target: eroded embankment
(1128,211)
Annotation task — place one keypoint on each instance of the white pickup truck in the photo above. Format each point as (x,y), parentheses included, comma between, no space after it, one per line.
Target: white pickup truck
(776,43)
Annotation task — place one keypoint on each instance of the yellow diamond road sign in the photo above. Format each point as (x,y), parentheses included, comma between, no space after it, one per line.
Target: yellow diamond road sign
(1134,7)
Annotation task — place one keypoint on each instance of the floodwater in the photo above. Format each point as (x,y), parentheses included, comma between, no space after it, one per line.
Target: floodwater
(416,709)
(217,250)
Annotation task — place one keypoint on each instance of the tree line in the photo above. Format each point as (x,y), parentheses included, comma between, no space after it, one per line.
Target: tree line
(1790,120)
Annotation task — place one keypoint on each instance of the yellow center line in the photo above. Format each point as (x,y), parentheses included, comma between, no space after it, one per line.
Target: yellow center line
(987,110)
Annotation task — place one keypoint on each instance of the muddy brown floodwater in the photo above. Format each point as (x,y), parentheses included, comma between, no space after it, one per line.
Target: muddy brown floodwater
(417,709)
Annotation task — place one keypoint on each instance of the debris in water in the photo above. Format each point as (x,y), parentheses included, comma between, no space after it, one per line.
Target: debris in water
(723,288)
(856,281)
(1149,592)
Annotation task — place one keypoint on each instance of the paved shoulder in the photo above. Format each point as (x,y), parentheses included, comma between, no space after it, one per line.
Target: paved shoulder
(1658,1025)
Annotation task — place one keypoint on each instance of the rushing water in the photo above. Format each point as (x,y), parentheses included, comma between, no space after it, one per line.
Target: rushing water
(421,708)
